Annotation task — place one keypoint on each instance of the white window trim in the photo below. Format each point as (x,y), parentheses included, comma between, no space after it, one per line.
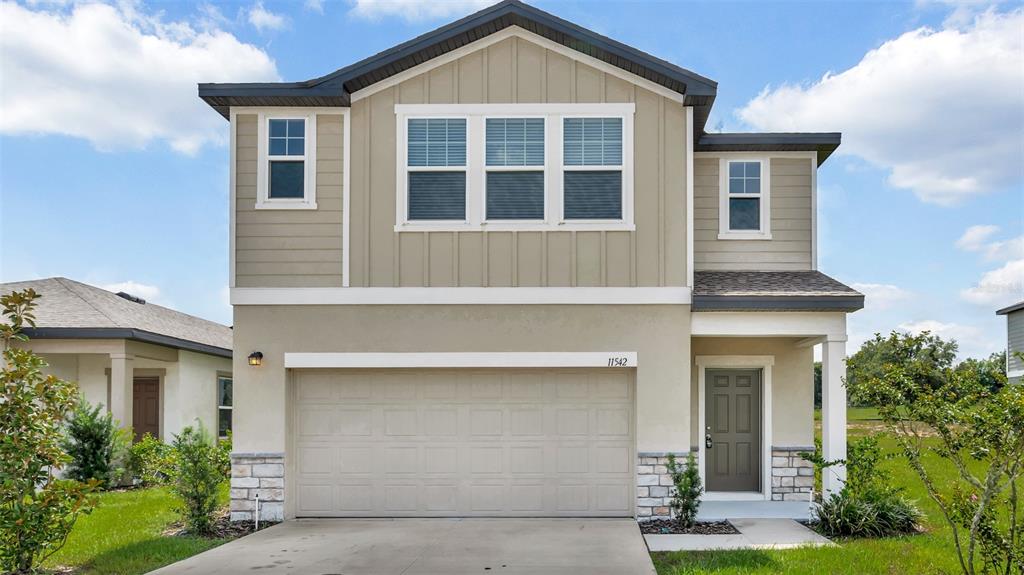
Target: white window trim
(230,408)
(263,199)
(476,115)
(724,233)
(548,121)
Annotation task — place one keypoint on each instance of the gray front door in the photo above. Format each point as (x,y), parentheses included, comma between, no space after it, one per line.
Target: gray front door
(733,434)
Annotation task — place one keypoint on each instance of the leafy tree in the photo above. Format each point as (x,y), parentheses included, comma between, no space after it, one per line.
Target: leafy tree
(94,443)
(687,490)
(928,354)
(37,510)
(979,432)
(991,371)
(817,384)
(197,473)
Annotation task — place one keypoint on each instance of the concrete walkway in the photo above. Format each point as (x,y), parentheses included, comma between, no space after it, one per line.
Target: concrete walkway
(753,534)
(430,546)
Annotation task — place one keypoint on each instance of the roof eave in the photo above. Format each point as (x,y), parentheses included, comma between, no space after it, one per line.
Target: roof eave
(848,303)
(1011,308)
(124,333)
(823,143)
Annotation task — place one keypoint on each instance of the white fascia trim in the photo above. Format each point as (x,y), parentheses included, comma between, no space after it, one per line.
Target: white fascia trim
(516,31)
(346,197)
(463,296)
(831,325)
(814,212)
(612,359)
(689,196)
(232,194)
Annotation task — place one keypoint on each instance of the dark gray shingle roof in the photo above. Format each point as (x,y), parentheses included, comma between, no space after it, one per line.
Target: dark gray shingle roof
(66,308)
(824,143)
(772,291)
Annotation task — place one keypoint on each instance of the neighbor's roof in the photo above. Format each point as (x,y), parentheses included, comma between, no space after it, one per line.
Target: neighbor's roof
(772,291)
(72,310)
(824,143)
(336,88)
(1012,308)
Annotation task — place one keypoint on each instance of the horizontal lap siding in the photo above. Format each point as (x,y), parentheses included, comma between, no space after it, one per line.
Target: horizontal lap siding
(289,248)
(1015,338)
(791,206)
(518,71)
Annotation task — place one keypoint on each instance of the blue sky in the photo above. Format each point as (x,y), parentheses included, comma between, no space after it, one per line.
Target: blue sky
(112,172)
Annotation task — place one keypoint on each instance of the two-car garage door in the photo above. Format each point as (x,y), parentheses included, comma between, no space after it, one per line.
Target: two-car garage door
(401,443)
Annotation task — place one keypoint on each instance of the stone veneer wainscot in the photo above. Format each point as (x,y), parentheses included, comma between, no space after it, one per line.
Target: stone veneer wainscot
(255,474)
(792,475)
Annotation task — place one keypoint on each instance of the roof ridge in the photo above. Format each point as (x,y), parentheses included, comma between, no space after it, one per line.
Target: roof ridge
(61,281)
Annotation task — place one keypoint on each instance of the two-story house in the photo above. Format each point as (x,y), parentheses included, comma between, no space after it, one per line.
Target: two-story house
(503,270)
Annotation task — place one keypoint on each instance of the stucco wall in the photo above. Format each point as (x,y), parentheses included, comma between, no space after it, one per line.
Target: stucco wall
(792,384)
(659,334)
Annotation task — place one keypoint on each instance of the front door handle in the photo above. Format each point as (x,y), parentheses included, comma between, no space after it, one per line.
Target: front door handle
(707,441)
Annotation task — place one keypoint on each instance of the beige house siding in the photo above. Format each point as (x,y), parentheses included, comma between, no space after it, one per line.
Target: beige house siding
(289,248)
(516,70)
(791,189)
(792,383)
(1014,341)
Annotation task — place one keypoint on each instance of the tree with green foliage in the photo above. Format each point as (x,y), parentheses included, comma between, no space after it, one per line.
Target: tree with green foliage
(37,509)
(196,475)
(95,444)
(687,489)
(929,353)
(991,371)
(935,411)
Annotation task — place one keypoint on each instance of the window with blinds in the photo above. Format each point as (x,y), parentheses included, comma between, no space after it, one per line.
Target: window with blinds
(592,164)
(436,162)
(514,166)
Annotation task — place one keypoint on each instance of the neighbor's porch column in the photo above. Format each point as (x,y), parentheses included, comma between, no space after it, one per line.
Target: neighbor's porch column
(121,376)
(833,411)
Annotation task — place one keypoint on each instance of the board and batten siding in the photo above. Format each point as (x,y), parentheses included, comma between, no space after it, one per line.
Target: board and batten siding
(791,204)
(289,248)
(516,70)
(1015,341)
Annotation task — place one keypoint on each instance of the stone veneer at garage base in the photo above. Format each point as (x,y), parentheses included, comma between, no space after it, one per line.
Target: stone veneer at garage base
(792,480)
(259,474)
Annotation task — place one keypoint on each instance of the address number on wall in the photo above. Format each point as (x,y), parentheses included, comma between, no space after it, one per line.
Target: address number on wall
(618,361)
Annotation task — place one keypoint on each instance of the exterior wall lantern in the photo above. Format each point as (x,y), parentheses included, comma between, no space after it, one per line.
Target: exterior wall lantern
(256,358)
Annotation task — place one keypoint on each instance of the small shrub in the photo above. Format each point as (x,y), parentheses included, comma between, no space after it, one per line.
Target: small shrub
(93,442)
(195,478)
(224,456)
(687,490)
(150,461)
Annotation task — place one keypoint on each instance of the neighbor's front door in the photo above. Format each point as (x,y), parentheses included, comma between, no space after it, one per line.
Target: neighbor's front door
(733,433)
(146,406)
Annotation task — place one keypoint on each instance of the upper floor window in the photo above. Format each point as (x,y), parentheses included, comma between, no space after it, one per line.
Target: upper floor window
(744,210)
(436,169)
(515,166)
(287,165)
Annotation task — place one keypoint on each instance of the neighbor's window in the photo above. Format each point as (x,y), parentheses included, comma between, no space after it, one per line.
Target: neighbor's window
(286,154)
(592,178)
(224,405)
(744,196)
(515,168)
(436,163)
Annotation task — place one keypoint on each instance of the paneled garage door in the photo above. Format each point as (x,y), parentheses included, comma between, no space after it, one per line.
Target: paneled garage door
(402,443)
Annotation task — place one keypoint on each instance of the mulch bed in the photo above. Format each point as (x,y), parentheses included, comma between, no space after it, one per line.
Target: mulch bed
(223,528)
(670,527)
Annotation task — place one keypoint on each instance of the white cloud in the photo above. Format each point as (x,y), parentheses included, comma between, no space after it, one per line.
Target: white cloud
(971,340)
(263,19)
(939,109)
(315,6)
(882,296)
(118,77)
(147,292)
(975,237)
(416,10)
(998,287)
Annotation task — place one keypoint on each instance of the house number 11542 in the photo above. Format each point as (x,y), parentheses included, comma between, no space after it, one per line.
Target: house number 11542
(618,362)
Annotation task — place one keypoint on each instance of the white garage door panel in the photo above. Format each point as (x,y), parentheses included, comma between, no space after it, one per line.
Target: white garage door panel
(463,442)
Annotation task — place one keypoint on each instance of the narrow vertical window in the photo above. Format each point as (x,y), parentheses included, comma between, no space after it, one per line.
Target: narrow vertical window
(286,154)
(592,159)
(225,404)
(515,168)
(744,196)
(436,161)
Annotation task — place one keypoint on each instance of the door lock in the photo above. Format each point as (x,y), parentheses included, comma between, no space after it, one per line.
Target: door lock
(707,441)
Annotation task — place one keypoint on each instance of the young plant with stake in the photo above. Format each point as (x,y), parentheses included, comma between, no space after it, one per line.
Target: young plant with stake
(687,489)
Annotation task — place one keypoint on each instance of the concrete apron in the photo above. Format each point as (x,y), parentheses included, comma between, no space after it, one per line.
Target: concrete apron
(753,534)
(430,546)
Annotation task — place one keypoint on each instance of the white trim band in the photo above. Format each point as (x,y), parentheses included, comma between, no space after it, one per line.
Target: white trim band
(460,360)
(463,296)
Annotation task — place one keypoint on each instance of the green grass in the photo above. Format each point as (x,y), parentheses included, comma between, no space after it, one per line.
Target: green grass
(122,536)
(854,414)
(930,552)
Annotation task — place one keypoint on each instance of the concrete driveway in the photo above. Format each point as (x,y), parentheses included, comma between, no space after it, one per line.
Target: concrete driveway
(431,546)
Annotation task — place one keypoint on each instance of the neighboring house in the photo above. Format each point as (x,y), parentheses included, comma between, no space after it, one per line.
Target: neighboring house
(157,370)
(503,270)
(1014,341)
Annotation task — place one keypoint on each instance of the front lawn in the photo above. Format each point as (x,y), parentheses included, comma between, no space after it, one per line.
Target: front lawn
(122,536)
(930,552)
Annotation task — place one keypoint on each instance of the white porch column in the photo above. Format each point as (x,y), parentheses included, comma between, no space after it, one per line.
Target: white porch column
(833,411)
(121,375)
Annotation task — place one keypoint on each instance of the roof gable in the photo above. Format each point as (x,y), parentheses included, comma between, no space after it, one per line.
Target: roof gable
(336,88)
